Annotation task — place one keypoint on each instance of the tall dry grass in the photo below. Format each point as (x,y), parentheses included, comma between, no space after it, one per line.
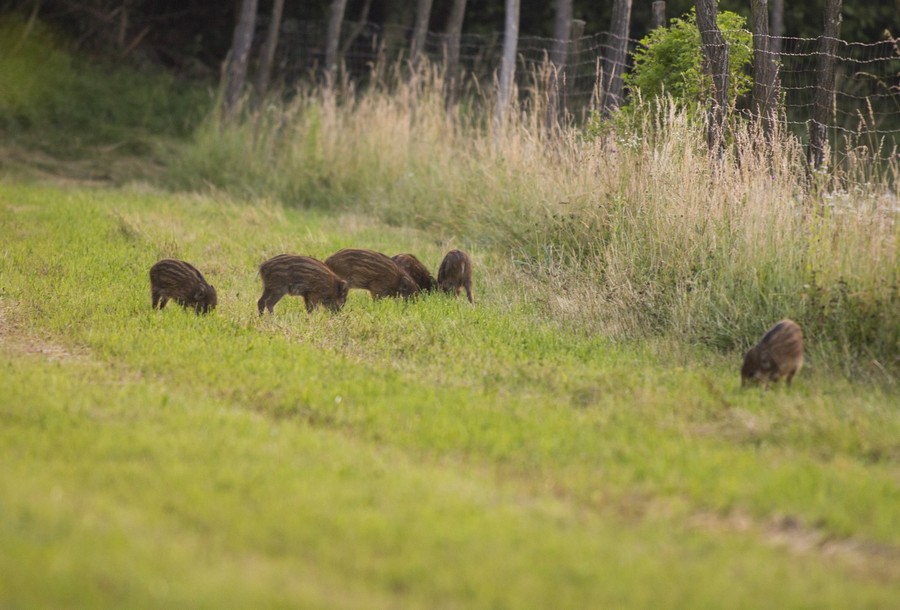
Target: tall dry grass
(630,229)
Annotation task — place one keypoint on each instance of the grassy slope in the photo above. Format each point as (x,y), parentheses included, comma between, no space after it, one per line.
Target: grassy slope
(422,454)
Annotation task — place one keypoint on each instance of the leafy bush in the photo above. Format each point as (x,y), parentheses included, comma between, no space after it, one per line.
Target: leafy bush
(670,60)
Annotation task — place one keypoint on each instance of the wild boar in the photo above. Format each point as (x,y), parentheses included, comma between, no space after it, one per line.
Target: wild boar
(301,276)
(371,271)
(416,270)
(456,273)
(183,283)
(778,354)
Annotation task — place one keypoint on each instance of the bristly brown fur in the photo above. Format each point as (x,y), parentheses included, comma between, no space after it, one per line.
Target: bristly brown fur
(372,271)
(778,354)
(183,283)
(455,273)
(300,276)
(416,270)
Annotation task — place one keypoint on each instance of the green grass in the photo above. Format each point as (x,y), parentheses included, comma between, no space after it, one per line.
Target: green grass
(414,454)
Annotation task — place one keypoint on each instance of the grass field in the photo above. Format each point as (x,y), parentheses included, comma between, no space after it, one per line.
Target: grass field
(579,439)
(422,454)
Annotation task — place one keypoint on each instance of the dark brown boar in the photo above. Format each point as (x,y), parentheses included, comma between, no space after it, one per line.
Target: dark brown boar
(778,354)
(371,271)
(183,283)
(300,276)
(456,273)
(416,270)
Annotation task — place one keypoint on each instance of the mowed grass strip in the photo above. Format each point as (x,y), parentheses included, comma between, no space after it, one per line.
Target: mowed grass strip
(608,432)
(118,491)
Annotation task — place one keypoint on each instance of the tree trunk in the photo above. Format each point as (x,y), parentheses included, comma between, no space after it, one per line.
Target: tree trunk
(823,104)
(267,54)
(777,29)
(508,62)
(333,38)
(614,62)
(236,72)
(359,27)
(454,31)
(420,31)
(658,16)
(765,89)
(575,37)
(562,31)
(715,64)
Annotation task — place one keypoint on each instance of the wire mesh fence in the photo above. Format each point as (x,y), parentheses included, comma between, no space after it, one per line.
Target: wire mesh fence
(866,96)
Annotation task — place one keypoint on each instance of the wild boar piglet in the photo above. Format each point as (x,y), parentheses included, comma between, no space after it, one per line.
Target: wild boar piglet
(778,354)
(455,274)
(416,270)
(301,276)
(372,271)
(183,283)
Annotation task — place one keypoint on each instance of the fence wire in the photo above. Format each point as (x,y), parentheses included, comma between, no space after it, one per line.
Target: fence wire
(866,92)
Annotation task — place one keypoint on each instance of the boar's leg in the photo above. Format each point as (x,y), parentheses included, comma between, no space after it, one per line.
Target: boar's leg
(261,303)
(789,376)
(268,300)
(469,293)
(310,303)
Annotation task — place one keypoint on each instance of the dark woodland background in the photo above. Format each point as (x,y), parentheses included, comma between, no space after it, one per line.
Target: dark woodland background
(196,35)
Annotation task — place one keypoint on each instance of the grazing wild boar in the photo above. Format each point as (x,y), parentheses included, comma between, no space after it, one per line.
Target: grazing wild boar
(372,271)
(183,283)
(416,270)
(779,354)
(456,273)
(301,276)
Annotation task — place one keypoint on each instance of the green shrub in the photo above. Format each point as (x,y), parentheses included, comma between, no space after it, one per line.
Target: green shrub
(670,61)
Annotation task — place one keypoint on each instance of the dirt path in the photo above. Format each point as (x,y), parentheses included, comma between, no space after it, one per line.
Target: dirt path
(15,339)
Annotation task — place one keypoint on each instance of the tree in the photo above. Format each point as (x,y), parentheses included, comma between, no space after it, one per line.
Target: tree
(333,37)
(765,89)
(420,30)
(823,101)
(715,64)
(508,61)
(777,29)
(658,15)
(453,33)
(236,70)
(267,55)
(562,31)
(357,29)
(614,62)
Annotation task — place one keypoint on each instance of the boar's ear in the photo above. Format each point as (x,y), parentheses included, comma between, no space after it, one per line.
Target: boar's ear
(343,288)
(200,293)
